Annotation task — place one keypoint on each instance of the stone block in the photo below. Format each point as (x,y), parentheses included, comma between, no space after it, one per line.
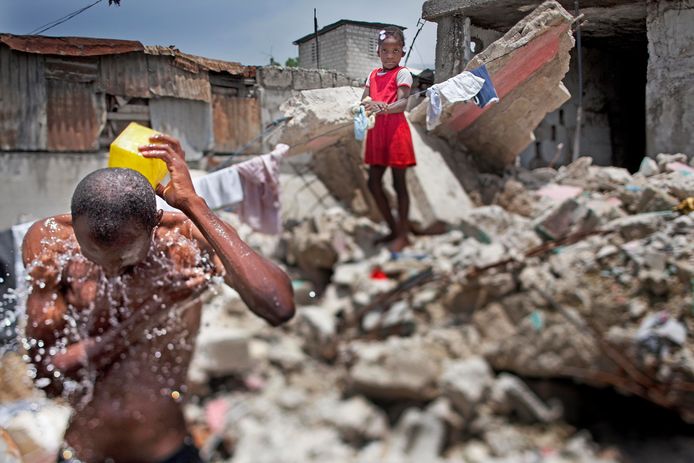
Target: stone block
(436,194)
(568,218)
(275,77)
(306,79)
(466,383)
(223,351)
(399,368)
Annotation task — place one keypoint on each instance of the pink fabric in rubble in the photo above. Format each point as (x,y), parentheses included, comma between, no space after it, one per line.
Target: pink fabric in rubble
(260,207)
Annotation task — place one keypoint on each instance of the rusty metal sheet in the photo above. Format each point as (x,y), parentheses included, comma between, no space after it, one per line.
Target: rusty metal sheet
(195,64)
(166,79)
(76,115)
(236,121)
(22,101)
(69,46)
(124,75)
(188,120)
(76,69)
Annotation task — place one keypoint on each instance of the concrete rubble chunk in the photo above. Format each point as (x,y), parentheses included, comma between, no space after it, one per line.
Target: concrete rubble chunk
(466,383)
(36,429)
(638,226)
(313,114)
(436,194)
(568,218)
(222,351)
(396,369)
(318,326)
(419,436)
(649,167)
(356,419)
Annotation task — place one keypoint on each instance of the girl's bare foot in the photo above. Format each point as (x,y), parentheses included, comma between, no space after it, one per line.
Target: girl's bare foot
(400,243)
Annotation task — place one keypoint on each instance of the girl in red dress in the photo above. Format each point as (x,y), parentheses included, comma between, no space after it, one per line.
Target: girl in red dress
(389,143)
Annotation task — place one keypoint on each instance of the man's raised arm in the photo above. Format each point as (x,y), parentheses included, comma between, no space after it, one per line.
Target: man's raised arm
(262,285)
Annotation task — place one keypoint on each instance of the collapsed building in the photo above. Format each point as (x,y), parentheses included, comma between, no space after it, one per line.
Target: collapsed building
(636,75)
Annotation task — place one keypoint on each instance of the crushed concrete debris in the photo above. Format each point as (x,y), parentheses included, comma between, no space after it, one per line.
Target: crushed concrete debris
(425,355)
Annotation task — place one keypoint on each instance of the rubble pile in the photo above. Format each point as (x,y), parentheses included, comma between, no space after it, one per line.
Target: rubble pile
(583,273)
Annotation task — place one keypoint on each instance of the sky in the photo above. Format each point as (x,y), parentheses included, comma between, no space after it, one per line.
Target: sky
(247,31)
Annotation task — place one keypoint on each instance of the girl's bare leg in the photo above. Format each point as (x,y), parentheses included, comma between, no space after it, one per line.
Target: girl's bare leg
(376,188)
(402,224)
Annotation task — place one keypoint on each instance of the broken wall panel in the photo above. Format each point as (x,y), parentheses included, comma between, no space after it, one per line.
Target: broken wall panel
(22,101)
(188,120)
(168,80)
(124,75)
(75,114)
(236,120)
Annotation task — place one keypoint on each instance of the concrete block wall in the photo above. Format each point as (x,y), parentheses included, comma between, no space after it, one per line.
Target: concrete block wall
(332,47)
(362,43)
(670,87)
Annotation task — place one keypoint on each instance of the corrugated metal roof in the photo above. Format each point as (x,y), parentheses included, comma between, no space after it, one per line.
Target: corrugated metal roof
(76,115)
(69,46)
(194,63)
(22,101)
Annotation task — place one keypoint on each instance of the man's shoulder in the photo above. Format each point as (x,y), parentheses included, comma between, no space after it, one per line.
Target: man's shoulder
(44,244)
(56,228)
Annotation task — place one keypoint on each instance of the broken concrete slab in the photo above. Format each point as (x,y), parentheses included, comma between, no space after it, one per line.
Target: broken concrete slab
(436,194)
(567,218)
(319,118)
(399,368)
(222,351)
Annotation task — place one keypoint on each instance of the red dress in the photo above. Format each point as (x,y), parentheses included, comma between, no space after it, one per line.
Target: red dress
(389,143)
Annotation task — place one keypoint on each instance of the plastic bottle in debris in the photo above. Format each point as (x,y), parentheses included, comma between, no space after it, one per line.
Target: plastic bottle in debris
(124,153)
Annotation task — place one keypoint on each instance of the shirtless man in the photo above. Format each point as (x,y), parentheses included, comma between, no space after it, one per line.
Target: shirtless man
(114,309)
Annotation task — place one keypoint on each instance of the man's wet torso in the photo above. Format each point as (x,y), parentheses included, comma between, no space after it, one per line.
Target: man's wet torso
(130,410)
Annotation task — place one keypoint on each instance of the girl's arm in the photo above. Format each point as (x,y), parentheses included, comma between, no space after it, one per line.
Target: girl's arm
(401,104)
(372,106)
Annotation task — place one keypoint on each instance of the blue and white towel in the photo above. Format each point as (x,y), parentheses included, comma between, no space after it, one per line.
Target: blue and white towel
(461,87)
(487,93)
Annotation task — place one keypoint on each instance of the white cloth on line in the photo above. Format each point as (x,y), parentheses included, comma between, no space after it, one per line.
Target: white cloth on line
(218,189)
(461,87)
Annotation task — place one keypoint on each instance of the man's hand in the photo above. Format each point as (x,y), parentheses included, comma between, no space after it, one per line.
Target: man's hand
(180,188)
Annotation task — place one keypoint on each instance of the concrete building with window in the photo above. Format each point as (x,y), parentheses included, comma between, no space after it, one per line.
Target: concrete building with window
(345,46)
